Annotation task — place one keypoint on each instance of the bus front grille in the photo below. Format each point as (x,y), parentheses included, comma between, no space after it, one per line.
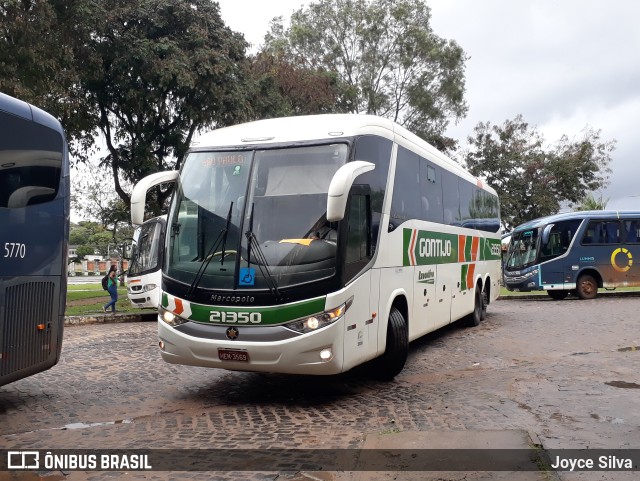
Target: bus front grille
(28,326)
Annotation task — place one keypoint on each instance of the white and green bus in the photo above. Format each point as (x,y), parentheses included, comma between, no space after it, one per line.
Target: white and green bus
(310,245)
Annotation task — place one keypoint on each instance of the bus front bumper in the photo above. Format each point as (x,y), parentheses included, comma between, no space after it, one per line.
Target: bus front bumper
(522,283)
(149,299)
(304,354)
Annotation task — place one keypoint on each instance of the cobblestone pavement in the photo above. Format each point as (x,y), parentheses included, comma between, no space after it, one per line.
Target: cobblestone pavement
(564,371)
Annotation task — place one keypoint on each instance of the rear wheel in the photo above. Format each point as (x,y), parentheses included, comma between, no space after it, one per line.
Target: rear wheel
(479,309)
(392,361)
(586,287)
(558,295)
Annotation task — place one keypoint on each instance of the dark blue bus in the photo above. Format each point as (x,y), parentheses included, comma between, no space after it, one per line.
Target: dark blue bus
(577,252)
(34,233)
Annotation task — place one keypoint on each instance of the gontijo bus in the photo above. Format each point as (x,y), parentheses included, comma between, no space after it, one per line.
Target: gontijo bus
(34,233)
(145,268)
(575,252)
(313,244)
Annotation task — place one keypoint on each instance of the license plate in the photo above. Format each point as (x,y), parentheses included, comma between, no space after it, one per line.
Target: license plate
(233,355)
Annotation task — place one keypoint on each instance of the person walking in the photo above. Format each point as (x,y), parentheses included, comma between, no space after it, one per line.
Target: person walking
(112,288)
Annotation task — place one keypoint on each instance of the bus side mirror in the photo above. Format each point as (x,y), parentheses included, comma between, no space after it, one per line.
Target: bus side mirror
(546,234)
(139,194)
(341,185)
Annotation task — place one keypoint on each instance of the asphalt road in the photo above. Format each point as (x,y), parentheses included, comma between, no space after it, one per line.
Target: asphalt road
(560,374)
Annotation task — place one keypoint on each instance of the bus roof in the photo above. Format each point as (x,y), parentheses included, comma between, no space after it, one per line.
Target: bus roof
(292,129)
(30,112)
(585,214)
(316,127)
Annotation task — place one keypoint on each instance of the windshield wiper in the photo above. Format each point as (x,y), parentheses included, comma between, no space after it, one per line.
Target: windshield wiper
(222,238)
(262,261)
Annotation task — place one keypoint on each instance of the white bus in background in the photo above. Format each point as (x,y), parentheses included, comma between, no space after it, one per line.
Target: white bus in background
(145,268)
(310,245)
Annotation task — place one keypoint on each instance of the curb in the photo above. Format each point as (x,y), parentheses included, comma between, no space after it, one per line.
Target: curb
(150,316)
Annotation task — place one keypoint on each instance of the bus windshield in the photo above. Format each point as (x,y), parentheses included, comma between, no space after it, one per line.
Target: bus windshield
(246,219)
(523,249)
(146,254)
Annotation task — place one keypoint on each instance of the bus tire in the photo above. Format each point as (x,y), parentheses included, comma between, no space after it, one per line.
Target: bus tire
(395,355)
(587,287)
(479,309)
(557,295)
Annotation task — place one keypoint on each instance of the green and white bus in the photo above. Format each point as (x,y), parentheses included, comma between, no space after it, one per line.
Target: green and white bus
(310,245)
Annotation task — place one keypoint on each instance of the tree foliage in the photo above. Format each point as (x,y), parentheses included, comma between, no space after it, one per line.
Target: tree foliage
(532,178)
(388,60)
(591,203)
(92,237)
(38,45)
(100,203)
(281,86)
(146,74)
(162,70)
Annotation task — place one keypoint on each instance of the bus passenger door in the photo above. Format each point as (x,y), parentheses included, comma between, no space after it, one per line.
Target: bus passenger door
(359,343)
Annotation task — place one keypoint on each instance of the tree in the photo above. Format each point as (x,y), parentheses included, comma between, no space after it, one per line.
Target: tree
(85,250)
(388,60)
(91,237)
(38,41)
(100,203)
(281,86)
(532,178)
(162,71)
(591,203)
(146,74)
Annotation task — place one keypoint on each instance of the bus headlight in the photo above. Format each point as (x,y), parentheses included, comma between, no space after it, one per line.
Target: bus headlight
(149,287)
(171,318)
(318,321)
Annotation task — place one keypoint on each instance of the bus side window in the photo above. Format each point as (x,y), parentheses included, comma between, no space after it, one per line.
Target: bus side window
(406,202)
(430,191)
(590,234)
(612,232)
(631,230)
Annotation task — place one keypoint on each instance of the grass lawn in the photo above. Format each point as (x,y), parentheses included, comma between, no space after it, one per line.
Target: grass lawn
(88,299)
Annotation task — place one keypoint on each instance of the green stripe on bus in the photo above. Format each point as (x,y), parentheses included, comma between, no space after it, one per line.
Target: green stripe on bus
(467,249)
(463,276)
(270,315)
(430,248)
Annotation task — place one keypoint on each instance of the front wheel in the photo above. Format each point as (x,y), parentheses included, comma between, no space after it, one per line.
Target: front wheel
(392,361)
(558,295)
(586,287)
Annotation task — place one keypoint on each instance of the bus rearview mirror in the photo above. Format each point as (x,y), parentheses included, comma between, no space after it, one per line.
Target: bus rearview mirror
(139,194)
(546,234)
(341,185)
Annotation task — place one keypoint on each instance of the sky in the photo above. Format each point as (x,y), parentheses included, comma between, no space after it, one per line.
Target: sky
(564,65)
